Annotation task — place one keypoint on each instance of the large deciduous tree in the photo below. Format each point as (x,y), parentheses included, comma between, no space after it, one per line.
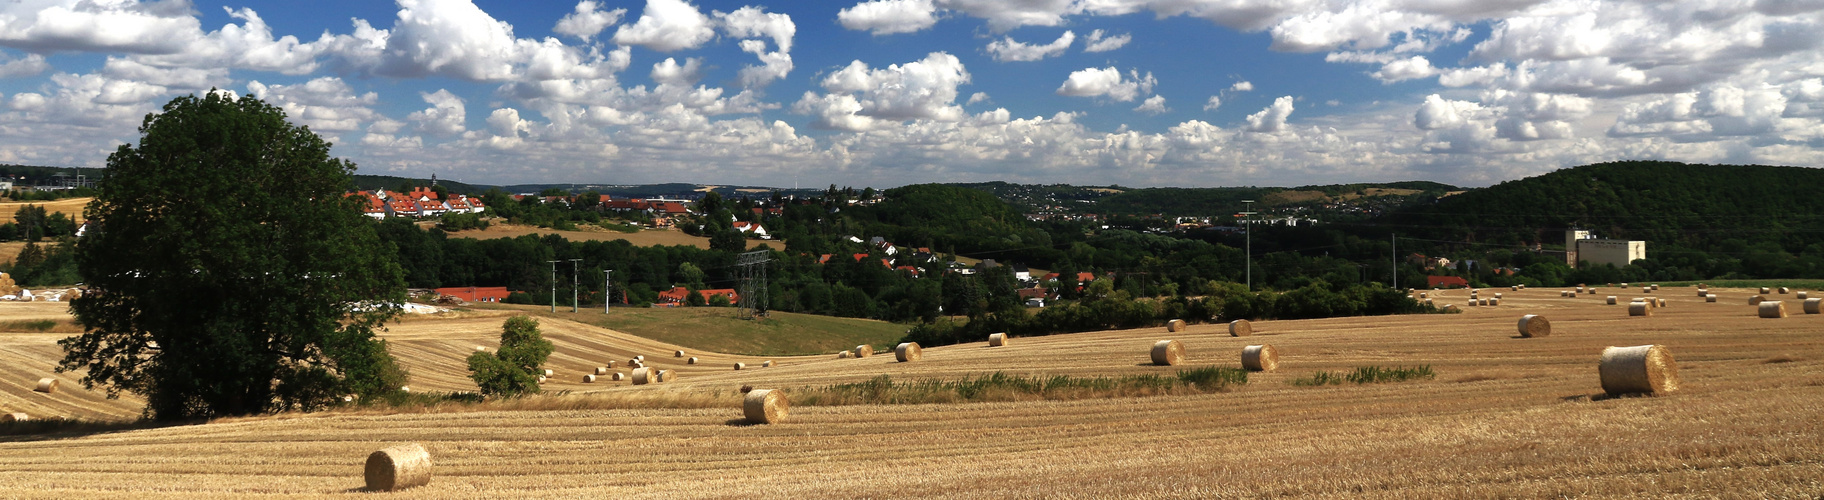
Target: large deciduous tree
(229,272)
(514,369)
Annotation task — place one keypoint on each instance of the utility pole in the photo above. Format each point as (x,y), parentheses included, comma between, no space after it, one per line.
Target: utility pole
(1396,260)
(607,289)
(1248,233)
(553,284)
(574,284)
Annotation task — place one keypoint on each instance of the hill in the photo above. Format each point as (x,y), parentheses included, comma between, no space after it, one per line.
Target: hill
(1710,207)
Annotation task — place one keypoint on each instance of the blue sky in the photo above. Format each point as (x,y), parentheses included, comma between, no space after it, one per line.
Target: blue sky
(892,92)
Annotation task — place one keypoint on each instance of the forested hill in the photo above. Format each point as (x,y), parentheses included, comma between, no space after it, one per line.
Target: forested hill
(1225,200)
(1667,203)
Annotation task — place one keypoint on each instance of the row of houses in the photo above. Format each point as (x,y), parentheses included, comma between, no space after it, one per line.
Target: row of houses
(420,202)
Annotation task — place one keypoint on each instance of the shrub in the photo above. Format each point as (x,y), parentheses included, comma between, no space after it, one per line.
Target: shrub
(512,370)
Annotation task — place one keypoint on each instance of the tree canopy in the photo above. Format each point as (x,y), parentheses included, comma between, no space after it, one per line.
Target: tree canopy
(228,271)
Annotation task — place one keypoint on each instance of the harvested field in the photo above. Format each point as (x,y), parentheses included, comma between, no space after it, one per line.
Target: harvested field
(1503,418)
(646,238)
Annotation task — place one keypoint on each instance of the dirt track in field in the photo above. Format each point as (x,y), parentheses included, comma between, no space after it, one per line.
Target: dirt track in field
(1505,417)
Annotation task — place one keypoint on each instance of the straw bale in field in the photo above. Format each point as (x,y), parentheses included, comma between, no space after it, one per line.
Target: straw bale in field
(1611,300)
(1710,298)
(1755,300)
(739,365)
(1424,295)
(1428,302)
(1702,292)
(601,370)
(405,388)
(1773,309)
(636,364)
(766,364)
(1497,295)
(664,376)
(589,379)
(611,363)
(764,406)
(1645,369)
(1659,302)
(1168,353)
(481,348)
(548,372)
(617,376)
(997,339)
(691,361)
(1639,309)
(1655,286)
(7,418)
(1801,295)
(399,467)
(1811,305)
(1242,328)
(1533,325)
(1624,285)
(642,376)
(746,388)
(1449,307)
(1765,290)
(677,354)
(1784,290)
(907,352)
(864,350)
(1579,289)
(842,355)
(47,385)
(1176,325)
(1260,358)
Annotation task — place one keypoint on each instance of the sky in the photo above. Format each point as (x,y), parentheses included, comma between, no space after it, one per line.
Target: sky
(1193,93)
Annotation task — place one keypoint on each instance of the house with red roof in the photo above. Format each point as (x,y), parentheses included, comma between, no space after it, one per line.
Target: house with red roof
(1446,282)
(753,228)
(676,295)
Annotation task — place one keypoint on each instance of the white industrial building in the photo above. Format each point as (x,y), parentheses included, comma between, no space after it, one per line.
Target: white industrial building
(1581,246)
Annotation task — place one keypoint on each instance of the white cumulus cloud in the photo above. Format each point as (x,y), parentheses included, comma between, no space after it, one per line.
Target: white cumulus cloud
(667,26)
(887,17)
(1093,82)
(1273,118)
(1100,42)
(1006,49)
(588,20)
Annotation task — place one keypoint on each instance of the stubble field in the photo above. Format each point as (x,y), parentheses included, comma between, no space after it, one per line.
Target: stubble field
(1505,417)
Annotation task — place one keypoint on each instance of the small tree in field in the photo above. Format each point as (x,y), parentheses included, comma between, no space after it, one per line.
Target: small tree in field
(512,370)
(229,272)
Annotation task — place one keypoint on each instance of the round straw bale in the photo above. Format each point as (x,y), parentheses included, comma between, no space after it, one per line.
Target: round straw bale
(1812,305)
(47,385)
(739,366)
(665,376)
(1658,302)
(1497,295)
(1702,292)
(601,370)
(1710,298)
(907,352)
(864,350)
(1168,353)
(1485,302)
(677,354)
(398,468)
(1765,290)
(1579,289)
(1773,309)
(481,348)
(548,372)
(764,406)
(1624,284)
(1755,300)
(766,364)
(1784,290)
(1645,369)
(611,363)
(997,339)
(1646,290)
(746,388)
(842,355)
(1611,300)
(641,358)
(7,418)
(1801,295)
(1448,307)
(1655,286)
(617,376)
(1428,302)
(691,361)
(1564,293)
(636,364)
(1424,295)
(405,388)
(642,376)
(589,379)
(1176,325)
(1522,287)
(1533,325)
(542,378)
(1639,309)
(1260,358)
(1240,328)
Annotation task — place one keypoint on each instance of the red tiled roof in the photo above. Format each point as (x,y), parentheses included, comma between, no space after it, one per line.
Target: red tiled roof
(1435,281)
(476,294)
